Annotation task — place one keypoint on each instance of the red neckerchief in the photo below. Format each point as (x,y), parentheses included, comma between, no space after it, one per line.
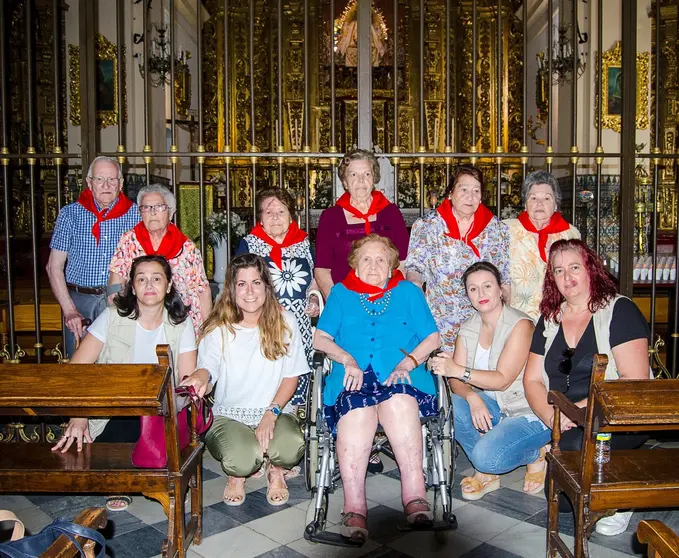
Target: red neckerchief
(353,283)
(293,236)
(556,224)
(86,199)
(379,202)
(482,217)
(170,246)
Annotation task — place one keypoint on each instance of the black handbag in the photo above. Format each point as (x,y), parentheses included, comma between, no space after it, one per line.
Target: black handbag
(34,545)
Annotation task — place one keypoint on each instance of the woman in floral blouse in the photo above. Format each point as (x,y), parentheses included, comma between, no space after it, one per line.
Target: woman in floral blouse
(532,234)
(157,235)
(285,247)
(446,241)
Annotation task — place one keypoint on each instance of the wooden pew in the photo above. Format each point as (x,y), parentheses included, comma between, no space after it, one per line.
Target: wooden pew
(106,468)
(661,540)
(641,478)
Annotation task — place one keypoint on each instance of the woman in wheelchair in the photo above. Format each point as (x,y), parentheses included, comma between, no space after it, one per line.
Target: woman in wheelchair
(493,422)
(378,330)
(251,349)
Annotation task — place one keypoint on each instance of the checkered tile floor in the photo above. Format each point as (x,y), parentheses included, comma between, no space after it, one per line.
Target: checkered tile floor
(506,523)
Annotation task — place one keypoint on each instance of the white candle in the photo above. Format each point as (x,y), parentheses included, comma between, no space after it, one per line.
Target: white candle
(318,133)
(436,134)
(452,133)
(276,137)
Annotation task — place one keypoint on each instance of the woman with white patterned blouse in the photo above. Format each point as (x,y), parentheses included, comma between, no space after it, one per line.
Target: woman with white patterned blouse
(285,247)
(532,234)
(446,241)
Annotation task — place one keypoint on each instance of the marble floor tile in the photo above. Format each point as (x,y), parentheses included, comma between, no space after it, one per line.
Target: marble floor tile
(489,551)
(514,504)
(15,503)
(34,519)
(214,522)
(254,507)
(423,544)
(482,524)
(239,541)
(281,552)
(310,550)
(382,489)
(149,511)
(141,543)
(284,527)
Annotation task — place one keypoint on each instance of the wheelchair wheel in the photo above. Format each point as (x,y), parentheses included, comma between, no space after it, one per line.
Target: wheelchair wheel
(311,446)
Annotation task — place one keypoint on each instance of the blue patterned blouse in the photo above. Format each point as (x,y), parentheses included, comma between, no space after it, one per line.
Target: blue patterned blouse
(402,321)
(441,261)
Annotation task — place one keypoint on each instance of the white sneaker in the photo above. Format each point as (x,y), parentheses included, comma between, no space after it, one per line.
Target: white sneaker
(614,524)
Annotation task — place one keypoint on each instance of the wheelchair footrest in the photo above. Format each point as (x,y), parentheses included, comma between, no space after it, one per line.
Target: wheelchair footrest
(446,525)
(326,537)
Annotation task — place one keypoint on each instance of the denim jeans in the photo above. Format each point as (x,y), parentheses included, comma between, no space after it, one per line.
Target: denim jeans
(90,306)
(511,443)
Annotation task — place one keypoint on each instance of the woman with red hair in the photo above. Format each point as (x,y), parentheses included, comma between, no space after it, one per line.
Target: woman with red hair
(582,315)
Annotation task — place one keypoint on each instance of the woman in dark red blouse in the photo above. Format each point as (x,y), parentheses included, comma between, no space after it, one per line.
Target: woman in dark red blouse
(358,212)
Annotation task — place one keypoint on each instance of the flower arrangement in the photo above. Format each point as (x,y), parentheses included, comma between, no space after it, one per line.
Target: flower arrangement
(216,227)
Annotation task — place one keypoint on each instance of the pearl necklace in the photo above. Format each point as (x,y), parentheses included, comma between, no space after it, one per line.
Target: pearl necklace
(378,311)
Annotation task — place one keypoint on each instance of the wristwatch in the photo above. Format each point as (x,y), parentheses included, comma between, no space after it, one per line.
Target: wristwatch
(467,374)
(275,408)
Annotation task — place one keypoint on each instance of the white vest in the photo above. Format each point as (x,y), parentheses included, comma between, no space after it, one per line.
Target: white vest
(512,401)
(602,332)
(119,349)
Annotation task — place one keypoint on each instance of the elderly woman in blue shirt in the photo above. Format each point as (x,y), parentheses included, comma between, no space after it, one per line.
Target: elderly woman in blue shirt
(378,331)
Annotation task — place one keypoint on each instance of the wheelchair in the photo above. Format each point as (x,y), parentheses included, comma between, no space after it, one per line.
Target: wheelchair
(322,468)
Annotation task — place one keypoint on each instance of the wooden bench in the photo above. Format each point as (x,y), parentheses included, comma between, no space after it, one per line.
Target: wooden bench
(641,478)
(661,540)
(106,468)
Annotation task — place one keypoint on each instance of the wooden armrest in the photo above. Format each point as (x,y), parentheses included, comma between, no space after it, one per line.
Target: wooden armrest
(659,537)
(94,518)
(567,407)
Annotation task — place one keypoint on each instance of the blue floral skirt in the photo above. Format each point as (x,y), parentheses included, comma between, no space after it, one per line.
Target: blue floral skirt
(372,393)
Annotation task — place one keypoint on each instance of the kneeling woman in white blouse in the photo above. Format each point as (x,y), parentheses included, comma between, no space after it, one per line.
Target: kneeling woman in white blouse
(251,349)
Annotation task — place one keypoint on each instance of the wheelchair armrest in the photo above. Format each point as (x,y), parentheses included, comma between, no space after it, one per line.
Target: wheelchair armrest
(567,407)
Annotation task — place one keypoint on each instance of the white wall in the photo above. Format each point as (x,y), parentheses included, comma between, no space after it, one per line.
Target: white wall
(159,101)
(586,100)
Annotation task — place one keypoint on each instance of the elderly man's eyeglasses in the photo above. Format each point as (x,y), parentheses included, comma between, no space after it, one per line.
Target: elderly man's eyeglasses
(99,180)
(566,365)
(160,208)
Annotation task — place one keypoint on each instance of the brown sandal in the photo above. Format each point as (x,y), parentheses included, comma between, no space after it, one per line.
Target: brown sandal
(354,532)
(537,477)
(479,489)
(419,517)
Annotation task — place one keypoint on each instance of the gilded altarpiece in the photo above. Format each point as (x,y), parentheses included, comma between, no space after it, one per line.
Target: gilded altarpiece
(44,113)
(327,31)
(668,110)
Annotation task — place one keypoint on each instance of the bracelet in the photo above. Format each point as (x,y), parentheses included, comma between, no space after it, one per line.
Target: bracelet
(411,357)
(467,374)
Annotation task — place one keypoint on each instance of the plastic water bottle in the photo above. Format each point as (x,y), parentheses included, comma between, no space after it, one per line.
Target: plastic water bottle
(603,448)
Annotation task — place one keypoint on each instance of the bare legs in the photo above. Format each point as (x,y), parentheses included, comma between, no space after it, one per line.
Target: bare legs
(399,416)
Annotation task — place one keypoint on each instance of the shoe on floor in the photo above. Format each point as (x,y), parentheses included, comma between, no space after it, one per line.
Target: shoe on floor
(614,524)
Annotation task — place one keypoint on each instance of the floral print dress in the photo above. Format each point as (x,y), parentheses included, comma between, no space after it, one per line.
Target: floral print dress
(291,285)
(188,273)
(441,261)
(527,267)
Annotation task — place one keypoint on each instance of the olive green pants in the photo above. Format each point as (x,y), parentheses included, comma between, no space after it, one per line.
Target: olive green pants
(235,445)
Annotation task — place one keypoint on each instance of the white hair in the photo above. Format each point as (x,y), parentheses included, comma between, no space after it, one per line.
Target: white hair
(104,159)
(170,200)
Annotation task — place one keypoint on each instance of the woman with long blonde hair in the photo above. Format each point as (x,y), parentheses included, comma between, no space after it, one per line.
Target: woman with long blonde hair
(251,349)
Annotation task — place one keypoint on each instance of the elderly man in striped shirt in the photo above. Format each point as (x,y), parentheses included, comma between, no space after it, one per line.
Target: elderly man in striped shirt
(84,239)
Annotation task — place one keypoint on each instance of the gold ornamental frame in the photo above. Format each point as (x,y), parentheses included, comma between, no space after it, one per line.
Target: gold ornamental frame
(611,63)
(107,57)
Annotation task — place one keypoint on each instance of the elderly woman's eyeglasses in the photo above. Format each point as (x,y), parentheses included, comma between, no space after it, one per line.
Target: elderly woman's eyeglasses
(99,180)
(566,365)
(160,208)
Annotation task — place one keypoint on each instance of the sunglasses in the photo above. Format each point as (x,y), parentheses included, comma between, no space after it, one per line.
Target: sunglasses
(566,365)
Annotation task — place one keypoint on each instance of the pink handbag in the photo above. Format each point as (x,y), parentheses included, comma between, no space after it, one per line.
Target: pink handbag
(150,451)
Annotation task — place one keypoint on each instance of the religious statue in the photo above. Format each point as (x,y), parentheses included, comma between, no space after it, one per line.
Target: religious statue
(346,35)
